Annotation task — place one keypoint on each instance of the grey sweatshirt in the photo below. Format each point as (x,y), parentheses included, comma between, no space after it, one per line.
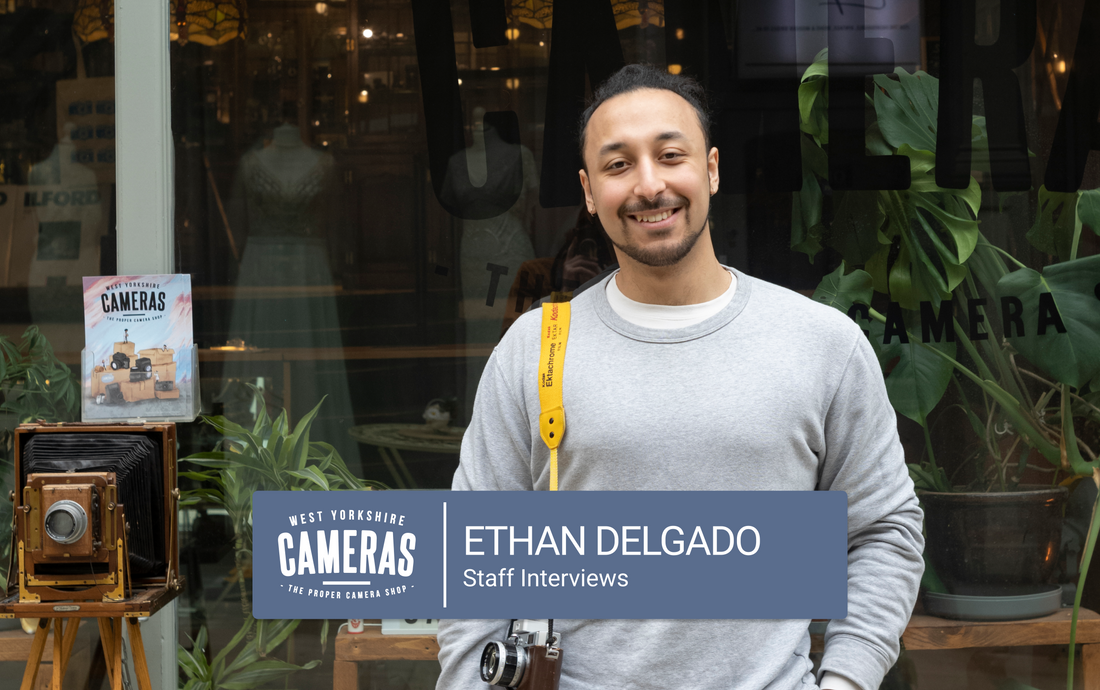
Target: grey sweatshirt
(775,392)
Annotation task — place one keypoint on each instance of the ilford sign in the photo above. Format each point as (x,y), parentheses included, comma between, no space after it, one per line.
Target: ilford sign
(757,120)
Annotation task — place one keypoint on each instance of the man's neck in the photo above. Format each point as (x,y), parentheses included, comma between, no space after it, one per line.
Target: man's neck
(697,278)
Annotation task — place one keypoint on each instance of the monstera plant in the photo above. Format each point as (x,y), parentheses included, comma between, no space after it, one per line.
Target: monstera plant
(943,306)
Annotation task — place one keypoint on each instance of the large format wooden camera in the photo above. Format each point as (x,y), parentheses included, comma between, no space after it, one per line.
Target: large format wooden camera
(95,511)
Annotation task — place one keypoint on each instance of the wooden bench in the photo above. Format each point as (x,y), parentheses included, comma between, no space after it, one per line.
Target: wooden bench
(922,633)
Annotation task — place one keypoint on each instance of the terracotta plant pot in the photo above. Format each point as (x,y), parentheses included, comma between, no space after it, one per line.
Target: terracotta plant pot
(994,544)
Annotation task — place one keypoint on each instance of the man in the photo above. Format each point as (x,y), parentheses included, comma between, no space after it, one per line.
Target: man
(682,374)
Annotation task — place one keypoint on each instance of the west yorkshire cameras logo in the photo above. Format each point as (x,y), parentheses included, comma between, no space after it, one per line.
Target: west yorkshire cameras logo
(365,554)
(369,554)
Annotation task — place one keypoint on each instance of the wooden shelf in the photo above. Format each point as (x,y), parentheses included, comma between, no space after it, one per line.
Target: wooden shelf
(928,632)
(372,645)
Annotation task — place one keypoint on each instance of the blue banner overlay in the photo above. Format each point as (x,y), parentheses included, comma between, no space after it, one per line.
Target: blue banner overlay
(570,554)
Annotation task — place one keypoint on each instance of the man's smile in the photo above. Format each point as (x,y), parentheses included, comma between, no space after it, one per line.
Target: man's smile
(658,219)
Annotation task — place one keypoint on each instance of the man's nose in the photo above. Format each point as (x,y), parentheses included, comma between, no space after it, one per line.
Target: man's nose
(649,183)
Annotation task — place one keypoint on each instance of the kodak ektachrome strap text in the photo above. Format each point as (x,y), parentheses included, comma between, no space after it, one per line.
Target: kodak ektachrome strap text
(555,333)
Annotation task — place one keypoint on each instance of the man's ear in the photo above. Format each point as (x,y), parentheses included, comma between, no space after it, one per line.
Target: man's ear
(587,186)
(712,169)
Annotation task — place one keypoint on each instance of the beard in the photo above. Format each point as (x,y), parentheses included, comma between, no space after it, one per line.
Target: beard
(664,255)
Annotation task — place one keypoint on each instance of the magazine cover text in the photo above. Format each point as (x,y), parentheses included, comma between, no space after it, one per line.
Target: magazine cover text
(138,347)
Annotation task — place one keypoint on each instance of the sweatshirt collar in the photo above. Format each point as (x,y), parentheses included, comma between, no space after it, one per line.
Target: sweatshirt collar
(670,335)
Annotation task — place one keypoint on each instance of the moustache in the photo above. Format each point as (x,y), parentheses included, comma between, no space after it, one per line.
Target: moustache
(633,207)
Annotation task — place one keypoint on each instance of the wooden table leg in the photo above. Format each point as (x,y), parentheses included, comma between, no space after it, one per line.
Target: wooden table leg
(140,665)
(58,661)
(116,646)
(71,628)
(106,638)
(345,676)
(397,478)
(1090,666)
(39,644)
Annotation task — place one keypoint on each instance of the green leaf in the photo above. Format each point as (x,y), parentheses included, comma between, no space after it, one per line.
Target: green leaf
(806,217)
(907,109)
(1055,223)
(925,479)
(188,663)
(917,377)
(219,660)
(813,99)
(1072,357)
(263,671)
(841,291)
(854,230)
(311,474)
(935,233)
(1088,209)
(280,630)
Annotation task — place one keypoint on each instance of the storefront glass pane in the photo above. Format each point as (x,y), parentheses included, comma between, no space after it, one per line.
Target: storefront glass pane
(57,224)
(369,192)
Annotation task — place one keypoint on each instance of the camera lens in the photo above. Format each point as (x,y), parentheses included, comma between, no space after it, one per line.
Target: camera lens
(503,664)
(65,522)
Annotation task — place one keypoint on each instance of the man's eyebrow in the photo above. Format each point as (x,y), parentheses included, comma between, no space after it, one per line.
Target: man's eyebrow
(613,146)
(663,136)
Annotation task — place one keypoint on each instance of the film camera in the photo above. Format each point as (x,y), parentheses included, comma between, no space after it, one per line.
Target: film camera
(529,659)
(95,511)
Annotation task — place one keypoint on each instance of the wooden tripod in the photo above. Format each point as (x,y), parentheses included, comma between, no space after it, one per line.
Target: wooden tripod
(64,634)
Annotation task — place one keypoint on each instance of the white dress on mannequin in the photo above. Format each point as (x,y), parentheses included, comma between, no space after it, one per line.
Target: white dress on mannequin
(286,204)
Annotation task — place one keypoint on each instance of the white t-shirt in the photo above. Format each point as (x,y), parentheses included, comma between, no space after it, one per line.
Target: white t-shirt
(666,315)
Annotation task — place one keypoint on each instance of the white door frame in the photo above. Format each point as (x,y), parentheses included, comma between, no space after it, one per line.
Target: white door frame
(144,189)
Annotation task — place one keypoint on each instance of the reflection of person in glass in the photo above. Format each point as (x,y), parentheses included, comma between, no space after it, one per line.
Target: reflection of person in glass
(683,374)
(584,254)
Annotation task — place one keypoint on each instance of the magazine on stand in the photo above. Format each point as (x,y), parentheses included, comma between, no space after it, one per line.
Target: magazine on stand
(139,359)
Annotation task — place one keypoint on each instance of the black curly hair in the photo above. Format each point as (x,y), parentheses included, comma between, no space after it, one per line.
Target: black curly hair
(640,76)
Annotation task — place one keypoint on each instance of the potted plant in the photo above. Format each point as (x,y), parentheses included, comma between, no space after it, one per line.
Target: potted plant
(271,456)
(35,386)
(1020,346)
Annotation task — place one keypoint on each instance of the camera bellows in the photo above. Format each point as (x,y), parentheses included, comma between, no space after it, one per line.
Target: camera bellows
(136,461)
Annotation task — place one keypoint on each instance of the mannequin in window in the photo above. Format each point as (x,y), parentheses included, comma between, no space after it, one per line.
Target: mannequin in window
(286,207)
(504,240)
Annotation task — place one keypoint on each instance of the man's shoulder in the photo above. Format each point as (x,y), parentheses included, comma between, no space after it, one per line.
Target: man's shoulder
(786,308)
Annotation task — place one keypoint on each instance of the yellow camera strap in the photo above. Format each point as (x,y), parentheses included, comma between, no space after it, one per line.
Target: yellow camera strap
(555,333)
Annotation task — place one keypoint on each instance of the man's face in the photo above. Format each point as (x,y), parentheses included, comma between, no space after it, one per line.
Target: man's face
(649,175)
